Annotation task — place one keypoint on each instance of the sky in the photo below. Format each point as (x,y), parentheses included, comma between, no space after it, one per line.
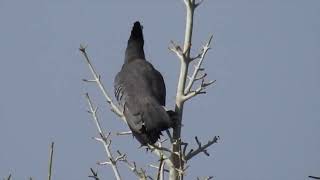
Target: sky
(265,105)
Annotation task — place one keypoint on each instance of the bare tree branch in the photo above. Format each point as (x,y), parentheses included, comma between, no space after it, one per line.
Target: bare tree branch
(200,148)
(199,90)
(123,133)
(50,161)
(97,79)
(181,96)
(9,177)
(141,174)
(184,63)
(314,177)
(197,68)
(104,140)
(177,50)
(205,178)
(94,174)
(198,3)
(160,169)
(153,147)
(157,167)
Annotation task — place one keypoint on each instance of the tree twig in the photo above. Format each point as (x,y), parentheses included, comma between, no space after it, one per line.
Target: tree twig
(160,169)
(157,167)
(197,68)
(94,174)
(141,174)
(152,147)
(50,161)
(314,177)
(97,80)
(9,177)
(160,153)
(199,90)
(205,178)
(200,148)
(123,133)
(104,139)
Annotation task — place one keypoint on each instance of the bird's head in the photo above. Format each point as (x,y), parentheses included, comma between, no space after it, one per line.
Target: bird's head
(136,32)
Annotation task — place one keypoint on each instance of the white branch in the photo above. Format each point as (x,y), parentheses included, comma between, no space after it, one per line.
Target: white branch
(153,147)
(205,178)
(177,50)
(197,68)
(159,151)
(141,174)
(104,139)
(157,167)
(176,158)
(97,79)
(123,133)
(199,90)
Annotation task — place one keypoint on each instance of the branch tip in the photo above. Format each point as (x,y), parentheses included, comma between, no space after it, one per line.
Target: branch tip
(83,48)
(201,148)
(199,3)
(94,174)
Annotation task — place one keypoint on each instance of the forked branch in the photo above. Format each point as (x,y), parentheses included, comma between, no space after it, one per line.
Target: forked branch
(201,148)
(194,77)
(94,174)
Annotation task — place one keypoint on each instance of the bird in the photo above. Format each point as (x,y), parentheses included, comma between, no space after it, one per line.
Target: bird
(141,92)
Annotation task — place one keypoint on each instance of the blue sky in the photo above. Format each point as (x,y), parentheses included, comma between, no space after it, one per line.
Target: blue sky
(265,105)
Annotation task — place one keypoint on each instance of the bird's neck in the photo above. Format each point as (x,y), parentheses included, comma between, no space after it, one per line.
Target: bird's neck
(134,51)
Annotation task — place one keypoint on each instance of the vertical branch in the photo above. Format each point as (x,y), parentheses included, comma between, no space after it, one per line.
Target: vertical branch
(161,169)
(180,92)
(50,161)
(184,56)
(189,27)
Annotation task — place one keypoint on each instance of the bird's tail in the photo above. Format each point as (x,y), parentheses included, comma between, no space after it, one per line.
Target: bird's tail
(155,116)
(135,43)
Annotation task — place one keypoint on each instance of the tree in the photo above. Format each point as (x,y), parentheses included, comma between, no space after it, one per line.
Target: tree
(172,159)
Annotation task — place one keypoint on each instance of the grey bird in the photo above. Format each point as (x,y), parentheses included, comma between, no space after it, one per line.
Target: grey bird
(140,91)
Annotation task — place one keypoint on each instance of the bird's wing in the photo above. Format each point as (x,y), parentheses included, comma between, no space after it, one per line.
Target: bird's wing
(140,90)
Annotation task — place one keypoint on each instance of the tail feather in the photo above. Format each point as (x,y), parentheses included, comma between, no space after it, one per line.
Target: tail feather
(147,138)
(147,125)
